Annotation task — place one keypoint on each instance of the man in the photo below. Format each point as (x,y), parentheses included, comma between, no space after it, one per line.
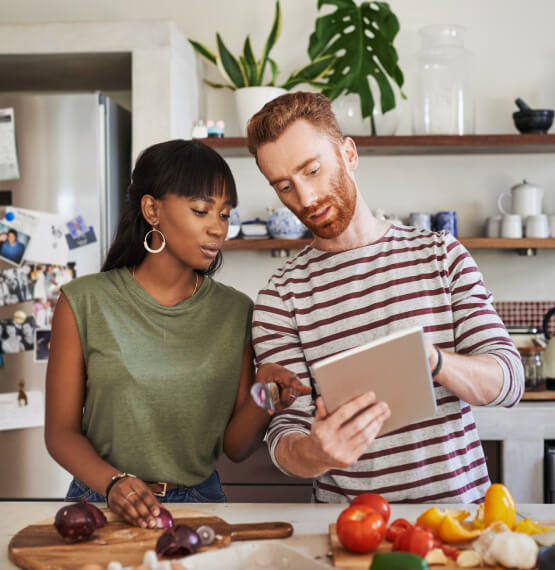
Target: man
(361,279)
(11,248)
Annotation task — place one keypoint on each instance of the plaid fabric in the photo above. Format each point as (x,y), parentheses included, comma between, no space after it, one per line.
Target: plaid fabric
(525,313)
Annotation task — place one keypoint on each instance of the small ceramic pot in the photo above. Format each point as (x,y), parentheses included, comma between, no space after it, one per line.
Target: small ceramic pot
(283,224)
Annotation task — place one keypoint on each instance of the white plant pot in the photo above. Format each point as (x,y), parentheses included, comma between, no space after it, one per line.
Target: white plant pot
(249,100)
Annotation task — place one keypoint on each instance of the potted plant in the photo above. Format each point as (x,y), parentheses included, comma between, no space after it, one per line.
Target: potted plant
(361,40)
(255,80)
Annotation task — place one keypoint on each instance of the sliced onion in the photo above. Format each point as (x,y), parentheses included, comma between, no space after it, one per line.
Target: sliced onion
(206,534)
(99,517)
(164,519)
(180,540)
(75,522)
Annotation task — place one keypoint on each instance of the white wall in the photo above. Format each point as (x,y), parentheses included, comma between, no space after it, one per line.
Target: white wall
(514,48)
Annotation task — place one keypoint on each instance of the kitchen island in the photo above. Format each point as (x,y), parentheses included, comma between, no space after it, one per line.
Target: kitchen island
(310,521)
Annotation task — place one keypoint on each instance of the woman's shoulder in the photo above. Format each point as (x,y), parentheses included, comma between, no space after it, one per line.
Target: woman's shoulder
(229,293)
(92,283)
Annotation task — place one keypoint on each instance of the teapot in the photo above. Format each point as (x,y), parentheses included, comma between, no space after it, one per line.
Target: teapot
(526,200)
(549,354)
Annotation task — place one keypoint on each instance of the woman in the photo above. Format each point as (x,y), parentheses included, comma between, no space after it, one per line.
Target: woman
(150,361)
(11,341)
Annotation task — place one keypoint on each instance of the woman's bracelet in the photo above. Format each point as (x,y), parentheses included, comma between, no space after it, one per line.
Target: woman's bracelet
(439,364)
(114,480)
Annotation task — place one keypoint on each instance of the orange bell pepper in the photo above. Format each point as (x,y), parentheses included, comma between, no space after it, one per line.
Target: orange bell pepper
(498,505)
(452,531)
(528,526)
(432,517)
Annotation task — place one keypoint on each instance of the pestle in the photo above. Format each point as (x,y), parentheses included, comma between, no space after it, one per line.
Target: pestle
(522,105)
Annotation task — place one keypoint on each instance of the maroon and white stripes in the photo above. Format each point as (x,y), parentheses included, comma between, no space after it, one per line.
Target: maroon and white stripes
(321,303)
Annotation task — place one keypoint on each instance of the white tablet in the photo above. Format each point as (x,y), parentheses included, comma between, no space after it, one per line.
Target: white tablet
(395,367)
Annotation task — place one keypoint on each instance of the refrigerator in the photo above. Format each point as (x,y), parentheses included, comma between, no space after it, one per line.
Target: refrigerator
(74,157)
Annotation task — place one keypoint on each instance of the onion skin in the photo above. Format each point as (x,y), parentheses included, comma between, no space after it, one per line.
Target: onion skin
(99,517)
(75,523)
(164,519)
(180,540)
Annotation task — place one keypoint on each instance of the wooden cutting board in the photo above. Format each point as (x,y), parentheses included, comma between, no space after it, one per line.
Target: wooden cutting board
(39,546)
(346,560)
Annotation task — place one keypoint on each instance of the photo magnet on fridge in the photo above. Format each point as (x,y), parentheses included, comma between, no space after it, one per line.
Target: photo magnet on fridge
(13,244)
(14,415)
(47,231)
(79,233)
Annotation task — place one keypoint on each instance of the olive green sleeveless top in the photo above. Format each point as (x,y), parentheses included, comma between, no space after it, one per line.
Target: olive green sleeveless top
(160,381)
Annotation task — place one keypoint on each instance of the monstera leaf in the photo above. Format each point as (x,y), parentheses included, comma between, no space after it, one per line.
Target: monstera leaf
(361,39)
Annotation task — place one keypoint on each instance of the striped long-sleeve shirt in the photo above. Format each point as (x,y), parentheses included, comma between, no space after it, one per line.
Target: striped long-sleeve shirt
(321,303)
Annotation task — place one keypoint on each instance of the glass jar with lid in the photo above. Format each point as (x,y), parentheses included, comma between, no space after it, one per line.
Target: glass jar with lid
(532,360)
(442,103)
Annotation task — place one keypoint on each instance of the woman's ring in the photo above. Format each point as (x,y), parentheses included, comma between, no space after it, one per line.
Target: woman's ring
(130,493)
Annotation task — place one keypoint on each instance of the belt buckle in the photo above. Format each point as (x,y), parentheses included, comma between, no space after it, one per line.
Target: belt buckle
(161,493)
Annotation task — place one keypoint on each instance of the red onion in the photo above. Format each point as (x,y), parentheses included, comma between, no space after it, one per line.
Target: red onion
(177,541)
(164,519)
(99,517)
(75,522)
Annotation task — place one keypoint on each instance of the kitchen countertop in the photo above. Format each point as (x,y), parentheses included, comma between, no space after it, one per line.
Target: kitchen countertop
(310,521)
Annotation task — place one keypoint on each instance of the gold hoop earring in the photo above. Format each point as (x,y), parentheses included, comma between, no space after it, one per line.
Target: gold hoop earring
(148,248)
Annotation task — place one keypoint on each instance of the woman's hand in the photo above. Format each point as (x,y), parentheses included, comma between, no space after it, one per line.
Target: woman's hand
(289,385)
(133,500)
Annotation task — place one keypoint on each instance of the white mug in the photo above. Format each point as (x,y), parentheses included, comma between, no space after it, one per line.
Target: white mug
(511,226)
(526,200)
(552,225)
(493,226)
(537,226)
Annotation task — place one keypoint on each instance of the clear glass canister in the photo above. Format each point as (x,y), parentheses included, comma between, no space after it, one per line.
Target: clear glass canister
(532,360)
(442,102)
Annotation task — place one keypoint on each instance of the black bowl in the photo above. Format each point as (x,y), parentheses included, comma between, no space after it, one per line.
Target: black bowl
(533,121)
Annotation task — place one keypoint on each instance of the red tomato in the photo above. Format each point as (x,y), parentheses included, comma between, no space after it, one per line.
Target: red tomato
(360,528)
(397,528)
(377,502)
(416,541)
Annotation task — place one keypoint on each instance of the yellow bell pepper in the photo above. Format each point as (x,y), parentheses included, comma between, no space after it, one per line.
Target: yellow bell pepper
(452,531)
(432,517)
(528,526)
(498,505)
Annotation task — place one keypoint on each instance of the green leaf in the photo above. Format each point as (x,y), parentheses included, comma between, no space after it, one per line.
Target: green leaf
(310,73)
(229,65)
(203,51)
(361,38)
(219,85)
(275,70)
(249,62)
(270,42)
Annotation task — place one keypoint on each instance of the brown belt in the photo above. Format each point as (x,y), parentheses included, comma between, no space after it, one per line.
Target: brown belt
(159,488)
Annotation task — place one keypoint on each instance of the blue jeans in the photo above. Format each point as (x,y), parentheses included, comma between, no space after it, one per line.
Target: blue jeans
(209,491)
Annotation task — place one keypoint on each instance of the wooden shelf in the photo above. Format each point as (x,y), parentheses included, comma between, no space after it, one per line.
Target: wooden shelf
(254,244)
(468,242)
(413,145)
(539,396)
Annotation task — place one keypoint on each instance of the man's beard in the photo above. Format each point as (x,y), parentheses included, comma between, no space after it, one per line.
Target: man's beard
(342,197)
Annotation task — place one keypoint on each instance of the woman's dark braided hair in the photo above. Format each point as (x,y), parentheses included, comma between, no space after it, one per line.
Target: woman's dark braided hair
(182,167)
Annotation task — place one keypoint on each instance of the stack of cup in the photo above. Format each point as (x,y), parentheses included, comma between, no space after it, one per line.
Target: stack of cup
(524,217)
